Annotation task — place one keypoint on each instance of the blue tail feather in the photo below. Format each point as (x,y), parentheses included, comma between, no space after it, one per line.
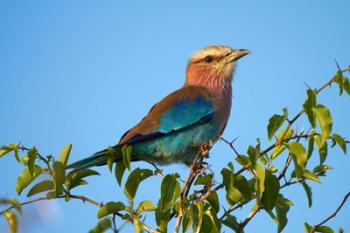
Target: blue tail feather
(98,159)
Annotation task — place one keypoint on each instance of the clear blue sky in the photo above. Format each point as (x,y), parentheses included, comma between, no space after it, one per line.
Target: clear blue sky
(83,72)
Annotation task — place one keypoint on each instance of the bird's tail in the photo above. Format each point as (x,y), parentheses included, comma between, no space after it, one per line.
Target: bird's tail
(98,159)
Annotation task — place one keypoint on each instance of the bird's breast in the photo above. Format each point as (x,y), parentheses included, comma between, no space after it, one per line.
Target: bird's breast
(223,102)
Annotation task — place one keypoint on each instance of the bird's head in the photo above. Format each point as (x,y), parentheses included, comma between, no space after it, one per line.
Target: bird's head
(213,65)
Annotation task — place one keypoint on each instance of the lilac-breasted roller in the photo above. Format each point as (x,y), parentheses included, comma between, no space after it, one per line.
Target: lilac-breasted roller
(176,127)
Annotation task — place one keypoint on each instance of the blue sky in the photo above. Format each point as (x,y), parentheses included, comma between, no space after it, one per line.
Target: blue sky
(84,72)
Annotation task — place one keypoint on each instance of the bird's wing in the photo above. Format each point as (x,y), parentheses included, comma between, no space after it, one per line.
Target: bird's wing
(184,108)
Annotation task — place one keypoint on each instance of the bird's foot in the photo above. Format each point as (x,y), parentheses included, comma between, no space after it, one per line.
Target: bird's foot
(205,147)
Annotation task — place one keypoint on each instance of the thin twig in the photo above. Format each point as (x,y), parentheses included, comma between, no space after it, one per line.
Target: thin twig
(78,197)
(288,160)
(230,144)
(149,229)
(250,216)
(220,186)
(314,228)
(41,157)
(85,199)
(115,229)
(289,125)
(286,165)
(231,209)
(25,203)
(196,167)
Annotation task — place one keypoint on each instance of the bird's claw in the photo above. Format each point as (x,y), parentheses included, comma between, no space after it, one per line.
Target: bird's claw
(205,147)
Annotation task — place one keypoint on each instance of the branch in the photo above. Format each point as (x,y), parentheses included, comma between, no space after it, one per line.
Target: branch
(250,216)
(41,157)
(314,228)
(84,199)
(196,167)
(25,203)
(290,123)
(231,209)
(230,144)
(149,229)
(114,226)
(78,197)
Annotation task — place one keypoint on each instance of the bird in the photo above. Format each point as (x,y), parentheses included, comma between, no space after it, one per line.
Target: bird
(175,128)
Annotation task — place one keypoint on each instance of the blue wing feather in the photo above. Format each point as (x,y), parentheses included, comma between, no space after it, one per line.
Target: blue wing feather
(181,115)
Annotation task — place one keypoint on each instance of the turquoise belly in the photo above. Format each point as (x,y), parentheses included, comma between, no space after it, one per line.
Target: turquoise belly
(177,147)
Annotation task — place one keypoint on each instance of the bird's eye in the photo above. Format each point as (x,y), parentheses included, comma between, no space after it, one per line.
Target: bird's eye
(208,59)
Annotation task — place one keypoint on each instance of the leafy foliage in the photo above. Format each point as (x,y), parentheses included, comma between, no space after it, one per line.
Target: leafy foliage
(251,179)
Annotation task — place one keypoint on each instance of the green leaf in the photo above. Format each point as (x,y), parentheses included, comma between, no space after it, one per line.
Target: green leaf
(162,219)
(78,183)
(275,123)
(321,169)
(243,160)
(242,185)
(64,155)
(282,220)
(31,160)
(309,106)
(77,175)
(51,195)
(110,208)
(280,148)
(272,187)
(213,199)
(273,169)
(325,119)
(231,222)
(42,186)
(311,176)
(204,179)
(119,171)
(111,155)
(308,192)
(339,78)
(310,147)
(133,181)
(340,141)
(196,211)
(26,178)
(145,206)
(186,222)
(322,148)
(236,186)
(253,155)
(126,152)
(232,194)
(58,176)
(260,182)
(210,223)
(170,191)
(299,156)
(283,202)
(230,165)
(307,227)
(13,202)
(282,208)
(102,226)
(11,219)
(7,149)
(346,85)
(324,229)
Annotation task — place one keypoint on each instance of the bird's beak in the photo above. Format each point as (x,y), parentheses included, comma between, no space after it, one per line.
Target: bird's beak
(236,54)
